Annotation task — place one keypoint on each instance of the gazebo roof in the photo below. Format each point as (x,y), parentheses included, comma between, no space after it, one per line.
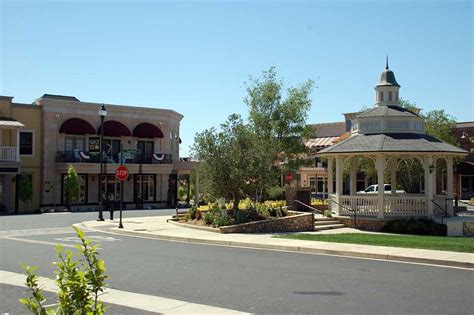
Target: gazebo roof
(392,142)
(388,111)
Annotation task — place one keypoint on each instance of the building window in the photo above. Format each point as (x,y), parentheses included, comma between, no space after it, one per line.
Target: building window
(381,96)
(389,95)
(396,96)
(26,143)
(74,143)
(111,187)
(144,187)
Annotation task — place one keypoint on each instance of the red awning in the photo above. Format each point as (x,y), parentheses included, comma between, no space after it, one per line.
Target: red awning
(147,130)
(114,128)
(320,142)
(76,126)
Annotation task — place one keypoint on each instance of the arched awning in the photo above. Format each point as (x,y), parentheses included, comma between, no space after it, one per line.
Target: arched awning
(147,130)
(76,126)
(114,128)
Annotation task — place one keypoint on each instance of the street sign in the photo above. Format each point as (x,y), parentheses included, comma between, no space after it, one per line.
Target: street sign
(121,173)
(289,177)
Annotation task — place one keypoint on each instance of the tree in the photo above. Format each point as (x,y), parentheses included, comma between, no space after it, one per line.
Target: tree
(71,186)
(241,159)
(25,188)
(279,122)
(226,159)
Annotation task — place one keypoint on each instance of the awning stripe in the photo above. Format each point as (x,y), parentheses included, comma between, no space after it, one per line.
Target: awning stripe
(320,142)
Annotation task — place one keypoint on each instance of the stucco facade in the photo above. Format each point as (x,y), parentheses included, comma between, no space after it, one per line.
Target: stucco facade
(56,138)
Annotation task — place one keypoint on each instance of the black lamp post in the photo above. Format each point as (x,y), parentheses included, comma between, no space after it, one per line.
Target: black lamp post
(102,114)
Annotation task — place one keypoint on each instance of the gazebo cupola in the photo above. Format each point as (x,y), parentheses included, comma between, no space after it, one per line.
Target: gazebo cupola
(388,116)
(386,91)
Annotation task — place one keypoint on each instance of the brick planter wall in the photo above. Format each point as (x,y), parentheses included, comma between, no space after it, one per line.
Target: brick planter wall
(298,222)
(367,224)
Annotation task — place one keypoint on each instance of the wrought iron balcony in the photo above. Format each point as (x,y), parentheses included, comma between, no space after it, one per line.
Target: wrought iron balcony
(77,156)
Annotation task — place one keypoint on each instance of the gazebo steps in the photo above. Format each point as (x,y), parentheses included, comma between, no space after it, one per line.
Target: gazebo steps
(326,222)
(321,224)
(328,227)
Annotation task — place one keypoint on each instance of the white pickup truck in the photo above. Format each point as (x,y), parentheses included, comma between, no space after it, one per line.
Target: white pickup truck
(373,189)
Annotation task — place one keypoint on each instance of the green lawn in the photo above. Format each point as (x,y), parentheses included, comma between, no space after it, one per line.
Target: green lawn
(456,244)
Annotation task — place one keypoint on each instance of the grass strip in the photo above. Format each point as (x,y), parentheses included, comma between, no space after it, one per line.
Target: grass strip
(455,244)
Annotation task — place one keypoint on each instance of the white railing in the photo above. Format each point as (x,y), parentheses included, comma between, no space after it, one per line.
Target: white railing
(364,205)
(405,206)
(7,153)
(394,205)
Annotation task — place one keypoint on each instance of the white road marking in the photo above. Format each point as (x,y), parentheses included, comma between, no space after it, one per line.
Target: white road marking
(38,242)
(95,238)
(139,301)
(44,231)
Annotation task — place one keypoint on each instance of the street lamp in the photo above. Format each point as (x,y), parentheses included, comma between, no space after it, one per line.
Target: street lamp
(102,114)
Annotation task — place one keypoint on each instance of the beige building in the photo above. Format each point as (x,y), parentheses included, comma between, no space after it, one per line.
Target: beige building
(20,155)
(58,131)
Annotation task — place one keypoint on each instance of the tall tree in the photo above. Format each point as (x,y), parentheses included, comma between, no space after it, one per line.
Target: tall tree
(226,156)
(25,185)
(71,186)
(279,122)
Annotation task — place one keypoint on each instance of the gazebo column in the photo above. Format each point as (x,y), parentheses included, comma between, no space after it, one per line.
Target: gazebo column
(339,181)
(330,175)
(393,176)
(449,170)
(427,163)
(353,176)
(380,166)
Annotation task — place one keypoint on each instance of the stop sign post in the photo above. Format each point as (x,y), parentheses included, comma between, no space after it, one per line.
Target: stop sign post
(121,173)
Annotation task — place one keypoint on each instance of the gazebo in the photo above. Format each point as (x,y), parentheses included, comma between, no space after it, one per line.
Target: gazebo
(388,134)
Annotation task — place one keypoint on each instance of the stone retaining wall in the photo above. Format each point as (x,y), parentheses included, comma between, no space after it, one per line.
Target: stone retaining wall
(367,224)
(294,222)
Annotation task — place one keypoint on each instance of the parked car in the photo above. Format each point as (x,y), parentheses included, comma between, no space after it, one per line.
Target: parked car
(373,189)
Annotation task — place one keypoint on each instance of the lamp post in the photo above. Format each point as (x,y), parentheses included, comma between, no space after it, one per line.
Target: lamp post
(102,114)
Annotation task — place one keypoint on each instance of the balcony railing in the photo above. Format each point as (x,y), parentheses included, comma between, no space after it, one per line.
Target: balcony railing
(86,157)
(8,154)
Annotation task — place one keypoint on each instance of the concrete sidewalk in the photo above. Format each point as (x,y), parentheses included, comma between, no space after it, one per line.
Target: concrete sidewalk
(157,227)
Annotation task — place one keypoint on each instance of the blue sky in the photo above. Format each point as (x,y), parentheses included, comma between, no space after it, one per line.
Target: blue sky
(195,56)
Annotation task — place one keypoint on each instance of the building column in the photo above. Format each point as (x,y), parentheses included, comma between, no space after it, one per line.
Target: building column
(450,184)
(393,176)
(428,161)
(339,181)
(380,165)
(18,145)
(353,176)
(330,175)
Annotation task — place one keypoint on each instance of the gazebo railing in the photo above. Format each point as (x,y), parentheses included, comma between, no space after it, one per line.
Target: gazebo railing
(364,205)
(405,206)
(394,205)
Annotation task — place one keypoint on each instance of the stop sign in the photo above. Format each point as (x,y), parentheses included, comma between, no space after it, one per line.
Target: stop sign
(289,177)
(121,173)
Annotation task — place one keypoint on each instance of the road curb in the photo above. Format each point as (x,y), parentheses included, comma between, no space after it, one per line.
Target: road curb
(289,248)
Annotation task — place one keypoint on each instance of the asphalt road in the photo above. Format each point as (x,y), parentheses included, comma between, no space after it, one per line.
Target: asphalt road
(256,281)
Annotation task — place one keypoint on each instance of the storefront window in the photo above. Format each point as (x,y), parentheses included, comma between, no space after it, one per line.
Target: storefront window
(145,187)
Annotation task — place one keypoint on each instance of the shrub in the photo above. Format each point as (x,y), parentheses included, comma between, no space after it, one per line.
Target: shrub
(275,192)
(221,220)
(415,226)
(327,213)
(192,213)
(208,218)
(80,282)
(241,216)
